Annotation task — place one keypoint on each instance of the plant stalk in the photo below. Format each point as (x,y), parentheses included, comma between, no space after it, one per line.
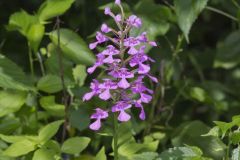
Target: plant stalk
(115,137)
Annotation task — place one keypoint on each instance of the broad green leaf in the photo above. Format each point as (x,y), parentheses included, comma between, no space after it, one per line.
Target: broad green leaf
(236,154)
(43,154)
(228,51)
(213,132)
(75,145)
(50,84)
(191,134)
(35,35)
(11,101)
(145,156)
(101,155)
(21,21)
(47,132)
(80,74)
(187,12)
(14,139)
(20,148)
(53,8)
(73,46)
(9,124)
(12,76)
(185,153)
(79,122)
(49,104)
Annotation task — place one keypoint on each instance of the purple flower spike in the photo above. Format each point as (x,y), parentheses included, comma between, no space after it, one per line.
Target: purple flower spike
(126,65)
(121,106)
(98,115)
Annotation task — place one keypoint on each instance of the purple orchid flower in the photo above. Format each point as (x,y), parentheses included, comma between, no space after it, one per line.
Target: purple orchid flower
(134,21)
(106,86)
(121,106)
(99,62)
(100,39)
(98,115)
(95,90)
(110,52)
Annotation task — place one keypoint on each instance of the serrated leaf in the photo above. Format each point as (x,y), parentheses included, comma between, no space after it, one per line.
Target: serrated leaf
(187,12)
(53,8)
(73,46)
(11,101)
(47,132)
(50,84)
(49,104)
(75,145)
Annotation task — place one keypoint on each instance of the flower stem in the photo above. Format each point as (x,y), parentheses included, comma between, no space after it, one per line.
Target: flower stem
(115,137)
(30,55)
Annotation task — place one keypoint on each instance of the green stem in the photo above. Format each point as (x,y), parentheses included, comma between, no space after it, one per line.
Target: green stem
(115,137)
(30,56)
(221,12)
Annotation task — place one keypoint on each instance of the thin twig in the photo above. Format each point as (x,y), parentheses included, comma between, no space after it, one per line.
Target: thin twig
(222,13)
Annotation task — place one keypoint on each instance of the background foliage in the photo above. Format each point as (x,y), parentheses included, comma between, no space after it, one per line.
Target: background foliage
(43,58)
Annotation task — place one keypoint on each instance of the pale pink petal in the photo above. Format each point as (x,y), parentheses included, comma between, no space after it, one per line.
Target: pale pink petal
(143,68)
(88,96)
(93,45)
(90,70)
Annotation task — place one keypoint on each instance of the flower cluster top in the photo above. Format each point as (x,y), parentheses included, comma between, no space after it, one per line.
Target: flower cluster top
(126,65)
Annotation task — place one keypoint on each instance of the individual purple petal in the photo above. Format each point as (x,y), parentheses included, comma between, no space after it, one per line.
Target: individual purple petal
(123,83)
(143,68)
(88,96)
(105,28)
(133,20)
(99,114)
(132,51)
(118,2)
(142,115)
(96,125)
(143,37)
(90,70)
(131,42)
(93,45)
(123,116)
(105,95)
(107,11)
(152,43)
(118,18)
(145,98)
(154,79)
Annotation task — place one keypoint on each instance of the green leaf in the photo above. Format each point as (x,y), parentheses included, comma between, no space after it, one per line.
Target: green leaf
(53,8)
(11,101)
(12,76)
(213,132)
(43,154)
(49,104)
(235,137)
(79,122)
(14,139)
(20,148)
(47,132)
(50,84)
(75,145)
(199,94)
(35,35)
(228,51)
(73,46)
(145,156)
(101,155)
(21,21)
(187,12)
(236,153)
(224,127)
(80,74)
(191,134)
(181,153)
